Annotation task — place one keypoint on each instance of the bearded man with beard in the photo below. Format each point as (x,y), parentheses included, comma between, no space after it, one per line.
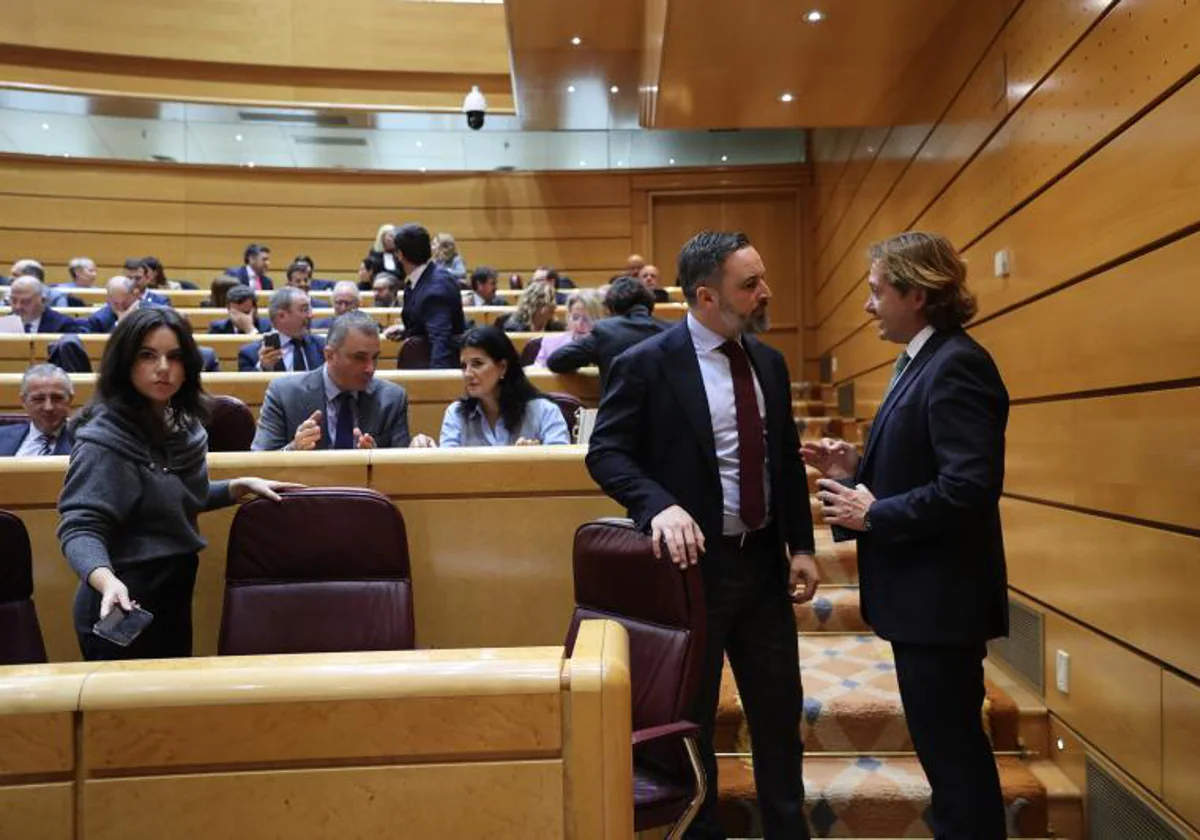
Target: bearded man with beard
(695,438)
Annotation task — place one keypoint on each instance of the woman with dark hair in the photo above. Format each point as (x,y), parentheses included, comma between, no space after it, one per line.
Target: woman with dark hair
(501,406)
(136,483)
(156,275)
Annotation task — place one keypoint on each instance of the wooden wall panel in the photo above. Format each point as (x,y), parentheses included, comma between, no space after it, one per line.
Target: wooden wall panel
(1134,583)
(865,149)
(1181,752)
(38,812)
(1115,697)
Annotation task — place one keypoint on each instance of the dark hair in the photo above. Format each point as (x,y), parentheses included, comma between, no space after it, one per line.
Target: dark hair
(220,289)
(624,293)
(133,263)
(305,258)
(515,388)
(702,257)
(481,275)
(114,385)
(158,277)
(253,250)
(298,266)
(32,270)
(413,243)
(551,274)
(240,293)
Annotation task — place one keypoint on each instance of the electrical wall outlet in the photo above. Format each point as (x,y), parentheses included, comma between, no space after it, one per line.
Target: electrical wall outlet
(1001,263)
(1062,671)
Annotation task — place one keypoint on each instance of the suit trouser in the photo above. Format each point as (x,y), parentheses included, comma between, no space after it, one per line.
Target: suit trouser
(942,691)
(750,619)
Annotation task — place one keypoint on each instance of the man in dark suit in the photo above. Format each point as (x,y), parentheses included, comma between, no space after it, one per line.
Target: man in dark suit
(256,260)
(140,275)
(650,279)
(46,394)
(433,307)
(631,305)
(28,301)
(290,314)
(695,438)
(242,305)
(341,405)
(345,299)
(923,503)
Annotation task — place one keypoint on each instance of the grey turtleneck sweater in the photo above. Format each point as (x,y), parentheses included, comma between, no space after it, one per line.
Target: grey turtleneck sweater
(128,500)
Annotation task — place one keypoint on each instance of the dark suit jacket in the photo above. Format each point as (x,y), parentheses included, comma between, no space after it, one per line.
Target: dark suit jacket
(225,327)
(56,322)
(653,444)
(242,273)
(153,298)
(609,338)
(932,568)
(290,400)
(101,321)
(434,310)
(314,354)
(12,434)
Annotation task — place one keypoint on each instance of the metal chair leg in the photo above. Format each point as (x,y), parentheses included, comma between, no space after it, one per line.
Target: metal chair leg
(693,808)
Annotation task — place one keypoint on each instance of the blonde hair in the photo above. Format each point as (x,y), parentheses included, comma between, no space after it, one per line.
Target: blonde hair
(592,302)
(383,229)
(536,297)
(928,261)
(444,249)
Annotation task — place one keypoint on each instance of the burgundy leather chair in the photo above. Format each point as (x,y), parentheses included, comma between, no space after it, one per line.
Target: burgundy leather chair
(570,406)
(415,354)
(231,428)
(662,608)
(529,352)
(20,634)
(324,570)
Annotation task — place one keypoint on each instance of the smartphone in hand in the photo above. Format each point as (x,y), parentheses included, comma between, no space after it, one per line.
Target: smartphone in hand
(272,340)
(120,627)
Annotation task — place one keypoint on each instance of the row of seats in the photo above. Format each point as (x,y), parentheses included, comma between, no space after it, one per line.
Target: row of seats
(294,586)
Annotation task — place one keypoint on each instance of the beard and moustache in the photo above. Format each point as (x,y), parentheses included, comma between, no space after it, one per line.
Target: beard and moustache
(755,323)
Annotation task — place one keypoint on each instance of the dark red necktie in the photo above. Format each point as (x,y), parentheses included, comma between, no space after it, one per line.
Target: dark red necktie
(752,450)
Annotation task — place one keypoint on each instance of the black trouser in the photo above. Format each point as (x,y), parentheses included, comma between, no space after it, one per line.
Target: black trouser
(750,618)
(162,587)
(942,691)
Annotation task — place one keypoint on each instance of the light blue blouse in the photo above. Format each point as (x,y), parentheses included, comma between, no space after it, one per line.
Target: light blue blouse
(542,421)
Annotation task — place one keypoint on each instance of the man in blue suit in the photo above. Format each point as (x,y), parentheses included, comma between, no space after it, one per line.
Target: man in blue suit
(256,260)
(46,393)
(923,503)
(139,275)
(242,304)
(28,299)
(432,301)
(291,314)
(345,299)
(121,297)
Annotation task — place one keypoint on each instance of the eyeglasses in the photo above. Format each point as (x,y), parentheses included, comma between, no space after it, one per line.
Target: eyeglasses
(52,399)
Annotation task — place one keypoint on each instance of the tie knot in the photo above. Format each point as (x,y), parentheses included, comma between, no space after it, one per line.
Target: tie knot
(732,349)
(902,361)
(346,397)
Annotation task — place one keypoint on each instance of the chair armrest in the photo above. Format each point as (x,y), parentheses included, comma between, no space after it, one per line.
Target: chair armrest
(678,729)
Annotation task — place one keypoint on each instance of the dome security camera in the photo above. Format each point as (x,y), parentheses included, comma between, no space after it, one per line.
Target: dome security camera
(475,107)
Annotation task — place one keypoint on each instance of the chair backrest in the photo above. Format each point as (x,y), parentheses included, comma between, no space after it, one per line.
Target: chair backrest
(231,427)
(570,406)
(20,634)
(415,354)
(12,419)
(618,577)
(529,352)
(324,570)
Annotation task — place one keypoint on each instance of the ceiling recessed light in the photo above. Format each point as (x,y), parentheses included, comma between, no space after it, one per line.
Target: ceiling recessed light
(576,41)
(45,126)
(620,163)
(787,97)
(671,160)
(423,169)
(814,16)
(724,158)
(419,144)
(570,88)
(583,163)
(66,154)
(614,89)
(1062,745)
(250,164)
(237,137)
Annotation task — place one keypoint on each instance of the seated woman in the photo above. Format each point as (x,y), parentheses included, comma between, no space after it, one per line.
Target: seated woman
(535,311)
(445,254)
(584,308)
(501,407)
(157,275)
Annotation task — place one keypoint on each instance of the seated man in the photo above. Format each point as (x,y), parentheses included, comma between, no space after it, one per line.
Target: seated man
(340,405)
(345,299)
(483,287)
(631,305)
(256,261)
(242,305)
(46,393)
(387,289)
(650,279)
(121,299)
(288,346)
(28,301)
(140,274)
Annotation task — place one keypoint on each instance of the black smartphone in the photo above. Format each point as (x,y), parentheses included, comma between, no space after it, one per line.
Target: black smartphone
(271,339)
(120,627)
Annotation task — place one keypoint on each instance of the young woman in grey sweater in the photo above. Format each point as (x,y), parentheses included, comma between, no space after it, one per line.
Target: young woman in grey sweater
(136,483)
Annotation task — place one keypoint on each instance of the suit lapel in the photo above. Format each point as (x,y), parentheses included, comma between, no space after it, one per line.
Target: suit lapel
(907,380)
(314,400)
(688,385)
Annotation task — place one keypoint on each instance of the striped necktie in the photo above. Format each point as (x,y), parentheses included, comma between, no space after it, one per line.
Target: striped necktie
(901,363)
(48,442)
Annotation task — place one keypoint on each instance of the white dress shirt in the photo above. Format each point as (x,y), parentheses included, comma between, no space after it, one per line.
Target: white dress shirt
(390,263)
(722,410)
(417,274)
(32,326)
(32,445)
(913,348)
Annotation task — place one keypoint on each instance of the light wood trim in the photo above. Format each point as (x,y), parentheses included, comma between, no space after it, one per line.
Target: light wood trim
(1116,697)
(38,812)
(1181,746)
(597,748)
(421,473)
(36,743)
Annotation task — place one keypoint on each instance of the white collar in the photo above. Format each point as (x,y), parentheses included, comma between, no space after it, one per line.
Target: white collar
(417,274)
(704,339)
(919,340)
(331,389)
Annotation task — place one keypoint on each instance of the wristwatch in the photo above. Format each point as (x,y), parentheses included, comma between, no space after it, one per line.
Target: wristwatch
(867,520)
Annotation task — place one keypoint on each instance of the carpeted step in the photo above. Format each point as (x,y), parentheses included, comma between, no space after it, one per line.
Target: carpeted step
(862,796)
(837,562)
(852,701)
(811,391)
(834,610)
(809,408)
